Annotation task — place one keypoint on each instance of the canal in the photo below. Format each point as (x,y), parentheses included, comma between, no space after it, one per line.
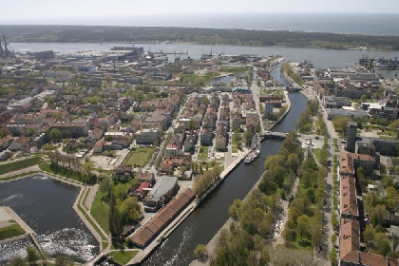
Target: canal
(208,218)
(46,206)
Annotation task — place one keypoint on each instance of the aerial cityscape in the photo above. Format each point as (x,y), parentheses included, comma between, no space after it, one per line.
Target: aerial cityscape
(179,136)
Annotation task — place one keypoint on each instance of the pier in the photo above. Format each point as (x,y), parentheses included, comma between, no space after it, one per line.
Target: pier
(170,53)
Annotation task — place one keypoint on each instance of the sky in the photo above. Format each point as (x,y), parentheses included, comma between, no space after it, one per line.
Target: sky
(50,10)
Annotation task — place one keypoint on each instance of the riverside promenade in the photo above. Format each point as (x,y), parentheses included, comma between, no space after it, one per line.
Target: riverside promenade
(212,244)
(143,254)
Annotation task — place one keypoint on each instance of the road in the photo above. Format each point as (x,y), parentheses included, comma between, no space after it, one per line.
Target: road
(329,208)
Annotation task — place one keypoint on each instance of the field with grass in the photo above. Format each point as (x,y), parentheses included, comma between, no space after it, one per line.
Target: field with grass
(11,167)
(122,257)
(139,156)
(11,231)
(99,211)
(317,153)
(203,153)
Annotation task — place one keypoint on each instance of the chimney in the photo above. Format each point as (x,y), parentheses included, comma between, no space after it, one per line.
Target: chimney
(5,44)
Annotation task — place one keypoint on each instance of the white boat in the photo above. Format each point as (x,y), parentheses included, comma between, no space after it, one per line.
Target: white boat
(252,156)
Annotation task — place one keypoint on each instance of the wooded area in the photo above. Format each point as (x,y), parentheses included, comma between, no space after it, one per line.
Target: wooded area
(40,33)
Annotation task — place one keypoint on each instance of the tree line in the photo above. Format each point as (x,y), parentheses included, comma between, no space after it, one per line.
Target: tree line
(246,241)
(41,33)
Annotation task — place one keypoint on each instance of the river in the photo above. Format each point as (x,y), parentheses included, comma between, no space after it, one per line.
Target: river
(207,219)
(322,58)
(46,206)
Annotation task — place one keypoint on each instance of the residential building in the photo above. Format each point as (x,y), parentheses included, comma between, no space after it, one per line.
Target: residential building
(147,136)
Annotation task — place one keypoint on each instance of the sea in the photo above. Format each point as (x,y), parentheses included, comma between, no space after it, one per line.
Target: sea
(367,24)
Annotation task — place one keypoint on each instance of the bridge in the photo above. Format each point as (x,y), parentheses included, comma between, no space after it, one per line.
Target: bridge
(274,135)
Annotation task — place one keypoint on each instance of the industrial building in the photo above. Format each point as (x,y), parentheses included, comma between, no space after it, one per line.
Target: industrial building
(162,219)
(161,193)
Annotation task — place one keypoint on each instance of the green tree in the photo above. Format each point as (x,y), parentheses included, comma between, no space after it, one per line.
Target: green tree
(63,260)
(362,179)
(384,247)
(32,255)
(129,210)
(304,226)
(378,215)
(293,162)
(18,261)
(201,253)
(234,209)
(369,234)
(106,185)
(55,134)
(121,191)
(113,217)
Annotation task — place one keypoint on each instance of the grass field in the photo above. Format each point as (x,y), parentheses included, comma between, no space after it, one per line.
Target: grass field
(317,153)
(99,211)
(122,257)
(139,156)
(203,153)
(11,167)
(11,231)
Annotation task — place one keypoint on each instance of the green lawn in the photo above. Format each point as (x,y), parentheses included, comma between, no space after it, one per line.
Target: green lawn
(10,167)
(139,156)
(203,153)
(11,231)
(123,257)
(235,70)
(317,153)
(99,211)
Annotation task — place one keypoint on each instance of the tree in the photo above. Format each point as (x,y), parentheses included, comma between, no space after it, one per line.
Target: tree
(341,124)
(363,98)
(18,261)
(369,234)
(293,162)
(201,253)
(106,185)
(383,247)
(304,226)
(33,256)
(63,260)
(361,177)
(234,209)
(121,191)
(129,210)
(264,257)
(113,218)
(55,134)
(378,215)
